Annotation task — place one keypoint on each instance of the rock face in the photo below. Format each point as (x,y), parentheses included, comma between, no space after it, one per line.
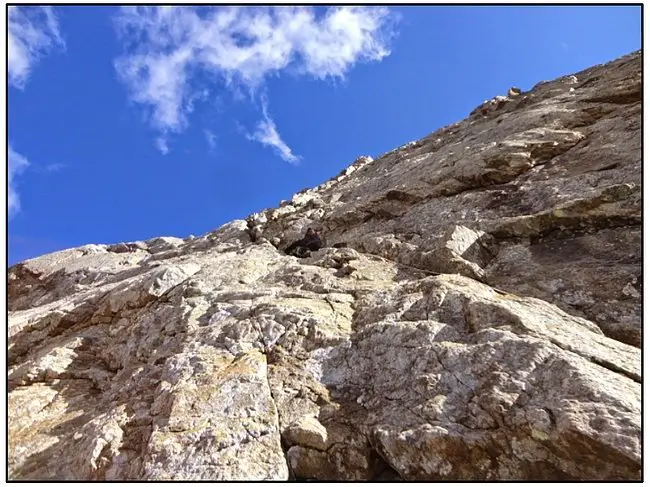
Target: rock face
(476,316)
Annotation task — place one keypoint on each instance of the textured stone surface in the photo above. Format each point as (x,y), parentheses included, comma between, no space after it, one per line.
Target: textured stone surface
(476,316)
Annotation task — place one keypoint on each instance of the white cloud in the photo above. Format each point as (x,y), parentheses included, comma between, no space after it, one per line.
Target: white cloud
(33,33)
(47,169)
(161,145)
(211,139)
(267,134)
(56,167)
(16,164)
(167,48)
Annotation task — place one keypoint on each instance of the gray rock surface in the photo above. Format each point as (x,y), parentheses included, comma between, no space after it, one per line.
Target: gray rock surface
(476,316)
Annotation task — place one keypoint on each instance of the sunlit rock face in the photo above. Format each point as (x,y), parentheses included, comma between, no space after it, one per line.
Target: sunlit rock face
(475,315)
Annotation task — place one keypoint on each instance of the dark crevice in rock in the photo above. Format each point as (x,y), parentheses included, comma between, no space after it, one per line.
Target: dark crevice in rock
(382,468)
(402,196)
(285,452)
(382,471)
(271,358)
(598,361)
(615,368)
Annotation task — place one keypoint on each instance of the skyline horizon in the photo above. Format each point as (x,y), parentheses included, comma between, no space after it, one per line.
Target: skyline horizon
(210,135)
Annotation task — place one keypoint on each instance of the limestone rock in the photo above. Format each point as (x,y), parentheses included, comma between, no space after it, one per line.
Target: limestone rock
(477,316)
(307,432)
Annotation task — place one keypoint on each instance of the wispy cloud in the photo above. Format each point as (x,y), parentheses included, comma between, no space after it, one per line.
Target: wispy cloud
(267,134)
(166,48)
(46,169)
(16,164)
(211,139)
(161,145)
(33,33)
(56,167)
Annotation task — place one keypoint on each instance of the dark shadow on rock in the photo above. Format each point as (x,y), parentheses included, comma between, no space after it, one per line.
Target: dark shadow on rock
(592,273)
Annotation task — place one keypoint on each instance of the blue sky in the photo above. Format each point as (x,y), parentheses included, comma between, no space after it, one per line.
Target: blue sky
(126,124)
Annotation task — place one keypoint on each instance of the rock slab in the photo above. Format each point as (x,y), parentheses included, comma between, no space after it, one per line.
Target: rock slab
(476,316)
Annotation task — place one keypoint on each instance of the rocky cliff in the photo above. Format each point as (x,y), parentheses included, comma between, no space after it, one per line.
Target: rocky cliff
(476,315)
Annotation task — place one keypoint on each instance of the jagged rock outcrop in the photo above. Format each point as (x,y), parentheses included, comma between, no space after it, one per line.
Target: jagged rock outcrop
(476,316)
